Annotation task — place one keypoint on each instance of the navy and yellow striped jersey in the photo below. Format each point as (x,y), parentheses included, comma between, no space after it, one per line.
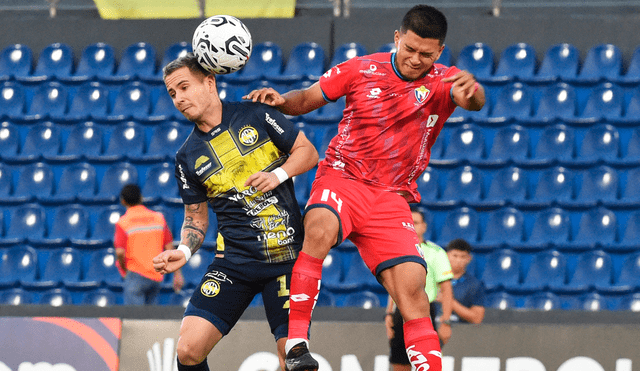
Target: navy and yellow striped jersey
(213,167)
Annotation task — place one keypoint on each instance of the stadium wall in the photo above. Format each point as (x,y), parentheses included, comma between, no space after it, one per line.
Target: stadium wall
(344,339)
(540,27)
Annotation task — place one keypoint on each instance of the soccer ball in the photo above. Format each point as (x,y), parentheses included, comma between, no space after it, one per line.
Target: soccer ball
(222,44)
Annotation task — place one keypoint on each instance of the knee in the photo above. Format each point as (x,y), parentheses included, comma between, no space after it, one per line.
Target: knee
(320,235)
(189,355)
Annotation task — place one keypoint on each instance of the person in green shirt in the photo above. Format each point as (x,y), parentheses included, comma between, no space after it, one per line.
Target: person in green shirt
(439,275)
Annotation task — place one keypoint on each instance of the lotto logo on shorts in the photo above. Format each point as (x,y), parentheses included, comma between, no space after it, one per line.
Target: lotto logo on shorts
(210,288)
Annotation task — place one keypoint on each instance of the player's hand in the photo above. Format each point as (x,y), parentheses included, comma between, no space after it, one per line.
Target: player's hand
(444,333)
(263,181)
(463,83)
(265,95)
(169,261)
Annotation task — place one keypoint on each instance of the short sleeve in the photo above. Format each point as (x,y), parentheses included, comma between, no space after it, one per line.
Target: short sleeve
(336,81)
(282,131)
(120,238)
(190,191)
(443,267)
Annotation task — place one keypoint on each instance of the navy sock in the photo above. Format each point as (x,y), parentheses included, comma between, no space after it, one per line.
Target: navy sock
(199,367)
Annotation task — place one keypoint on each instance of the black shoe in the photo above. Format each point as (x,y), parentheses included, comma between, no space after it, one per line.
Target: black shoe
(299,359)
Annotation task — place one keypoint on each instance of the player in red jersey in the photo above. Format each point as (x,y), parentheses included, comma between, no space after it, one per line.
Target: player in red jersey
(396,105)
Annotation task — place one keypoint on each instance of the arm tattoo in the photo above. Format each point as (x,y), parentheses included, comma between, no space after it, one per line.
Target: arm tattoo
(193,232)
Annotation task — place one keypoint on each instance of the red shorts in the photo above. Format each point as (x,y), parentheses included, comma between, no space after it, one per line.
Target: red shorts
(378,222)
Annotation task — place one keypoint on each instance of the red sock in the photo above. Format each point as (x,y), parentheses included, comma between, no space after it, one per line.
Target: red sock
(305,286)
(423,345)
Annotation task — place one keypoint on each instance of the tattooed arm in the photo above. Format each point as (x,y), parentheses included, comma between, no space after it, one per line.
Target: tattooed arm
(194,228)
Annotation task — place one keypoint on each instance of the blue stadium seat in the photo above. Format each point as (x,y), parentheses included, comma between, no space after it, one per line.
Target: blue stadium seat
(328,114)
(104,225)
(501,270)
(171,53)
(554,185)
(387,48)
(466,142)
(6,188)
(96,61)
(160,184)
(560,63)
(306,61)
(127,141)
(102,268)
(428,187)
(446,58)
(362,299)
(15,61)
(510,144)
(85,142)
(464,186)
(478,59)
(500,300)
(599,184)
(56,297)
(55,61)
(601,143)
(138,61)
(50,99)
(459,223)
(77,182)
(629,239)
(228,92)
(347,51)
(631,111)
(70,226)
(603,62)
(302,187)
(36,182)
(181,298)
(166,139)
(517,62)
(18,264)
(115,177)
(629,278)
(133,102)
(630,193)
(43,141)
(16,296)
(547,268)
(544,301)
(9,141)
(326,299)
(196,267)
(551,229)
(333,270)
(508,186)
(359,277)
(27,222)
(592,302)
(164,110)
(62,265)
(13,101)
(630,302)
(90,101)
(266,62)
(556,144)
(504,229)
(632,74)
(514,102)
(605,102)
(558,101)
(598,228)
(100,298)
(592,268)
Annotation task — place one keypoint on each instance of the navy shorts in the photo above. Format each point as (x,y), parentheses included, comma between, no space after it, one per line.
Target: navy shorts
(226,290)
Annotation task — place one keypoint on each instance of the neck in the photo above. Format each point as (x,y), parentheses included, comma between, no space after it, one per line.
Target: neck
(457,275)
(210,121)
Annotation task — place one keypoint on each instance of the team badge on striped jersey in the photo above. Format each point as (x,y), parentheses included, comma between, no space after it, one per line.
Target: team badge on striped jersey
(421,94)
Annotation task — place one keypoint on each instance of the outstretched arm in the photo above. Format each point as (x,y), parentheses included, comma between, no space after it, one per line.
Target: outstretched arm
(294,102)
(303,157)
(194,229)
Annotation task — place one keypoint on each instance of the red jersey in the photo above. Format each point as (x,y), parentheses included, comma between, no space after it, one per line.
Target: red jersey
(389,124)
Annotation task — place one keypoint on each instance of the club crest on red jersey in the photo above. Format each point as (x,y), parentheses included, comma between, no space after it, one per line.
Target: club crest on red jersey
(421,94)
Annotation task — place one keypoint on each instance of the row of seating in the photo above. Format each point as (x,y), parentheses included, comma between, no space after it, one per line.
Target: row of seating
(545,301)
(136,100)
(307,60)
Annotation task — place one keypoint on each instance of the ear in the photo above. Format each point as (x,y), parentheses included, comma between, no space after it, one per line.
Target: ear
(396,37)
(210,81)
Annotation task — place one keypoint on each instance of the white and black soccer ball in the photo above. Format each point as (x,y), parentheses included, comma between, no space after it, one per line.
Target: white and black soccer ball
(222,44)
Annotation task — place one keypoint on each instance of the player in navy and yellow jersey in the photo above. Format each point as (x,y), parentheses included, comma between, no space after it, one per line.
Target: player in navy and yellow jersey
(396,105)
(239,160)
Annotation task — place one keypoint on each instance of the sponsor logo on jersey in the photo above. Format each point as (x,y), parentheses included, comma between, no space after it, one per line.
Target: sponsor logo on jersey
(374,93)
(372,71)
(300,297)
(431,121)
(203,169)
(210,288)
(248,135)
(271,121)
(183,178)
(421,94)
(201,160)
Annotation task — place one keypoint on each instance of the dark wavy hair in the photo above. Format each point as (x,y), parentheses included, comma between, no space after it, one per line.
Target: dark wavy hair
(459,244)
(426,22)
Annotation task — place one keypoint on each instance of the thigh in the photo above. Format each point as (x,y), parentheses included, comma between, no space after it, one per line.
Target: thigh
(198,337)
(221,297)
(388,237)
(275,297)
(405,283)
